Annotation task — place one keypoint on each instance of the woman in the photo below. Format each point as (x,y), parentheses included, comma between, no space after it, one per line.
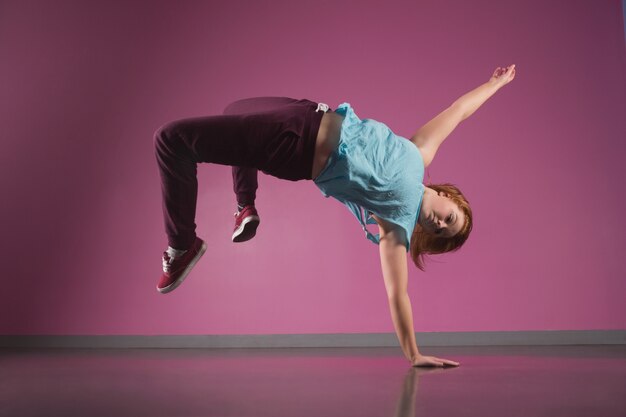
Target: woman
(362,163)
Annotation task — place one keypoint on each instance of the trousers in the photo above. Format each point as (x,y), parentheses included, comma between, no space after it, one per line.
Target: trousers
(273,134)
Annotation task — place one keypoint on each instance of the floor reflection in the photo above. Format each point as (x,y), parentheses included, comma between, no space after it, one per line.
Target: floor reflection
(491,381)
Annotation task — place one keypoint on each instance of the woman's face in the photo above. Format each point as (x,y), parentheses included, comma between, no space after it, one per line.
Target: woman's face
(439,215)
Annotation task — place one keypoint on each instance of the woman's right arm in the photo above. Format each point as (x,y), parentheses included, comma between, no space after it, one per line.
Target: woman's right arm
(393,262)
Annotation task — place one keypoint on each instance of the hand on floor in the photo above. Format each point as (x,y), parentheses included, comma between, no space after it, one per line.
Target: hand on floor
(422,360)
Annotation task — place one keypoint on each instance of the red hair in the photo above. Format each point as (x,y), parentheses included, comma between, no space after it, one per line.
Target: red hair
(423,243)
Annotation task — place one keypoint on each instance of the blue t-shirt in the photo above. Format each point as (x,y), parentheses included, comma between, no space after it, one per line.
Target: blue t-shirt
(374,171)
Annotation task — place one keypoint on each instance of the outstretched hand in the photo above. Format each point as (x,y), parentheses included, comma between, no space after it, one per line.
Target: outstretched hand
(503,76)
(422,360)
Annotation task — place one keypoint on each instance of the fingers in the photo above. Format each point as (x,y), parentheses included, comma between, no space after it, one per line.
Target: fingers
(435,361)
(506,69)
(444,362)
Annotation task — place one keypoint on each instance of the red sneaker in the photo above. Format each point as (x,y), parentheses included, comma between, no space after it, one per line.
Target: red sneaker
(175,270)
(246,222)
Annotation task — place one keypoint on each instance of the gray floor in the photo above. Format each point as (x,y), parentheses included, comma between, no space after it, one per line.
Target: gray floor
(491,381)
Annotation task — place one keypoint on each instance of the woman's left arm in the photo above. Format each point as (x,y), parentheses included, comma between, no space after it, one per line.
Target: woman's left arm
(471,101)
(429,137)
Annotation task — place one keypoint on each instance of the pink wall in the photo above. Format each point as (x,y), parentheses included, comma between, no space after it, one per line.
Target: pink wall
(84,87)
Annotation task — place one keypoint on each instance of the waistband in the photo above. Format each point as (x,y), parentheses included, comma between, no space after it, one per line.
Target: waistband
(311,128)
(323,107)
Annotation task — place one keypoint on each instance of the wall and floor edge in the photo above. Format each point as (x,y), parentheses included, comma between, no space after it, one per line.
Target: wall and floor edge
(518,338)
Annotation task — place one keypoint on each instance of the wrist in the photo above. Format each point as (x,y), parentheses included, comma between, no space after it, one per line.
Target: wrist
(495,84)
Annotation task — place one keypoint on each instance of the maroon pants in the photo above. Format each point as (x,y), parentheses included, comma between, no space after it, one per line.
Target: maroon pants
(273,134)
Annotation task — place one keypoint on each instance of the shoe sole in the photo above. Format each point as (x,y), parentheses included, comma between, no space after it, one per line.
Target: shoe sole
(186,272)
(240,236)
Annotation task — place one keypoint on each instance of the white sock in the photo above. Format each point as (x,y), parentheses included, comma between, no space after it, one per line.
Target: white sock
(174,253)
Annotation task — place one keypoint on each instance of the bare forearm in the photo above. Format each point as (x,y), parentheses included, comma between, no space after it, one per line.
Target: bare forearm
(471,101)
(402,317)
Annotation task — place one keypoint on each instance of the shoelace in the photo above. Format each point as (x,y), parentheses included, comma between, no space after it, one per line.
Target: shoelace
(167,262)
(238,212)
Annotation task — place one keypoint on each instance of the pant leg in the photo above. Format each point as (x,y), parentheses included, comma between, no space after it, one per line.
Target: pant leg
(280,142)
(245,179)
(179,146)
(179,189)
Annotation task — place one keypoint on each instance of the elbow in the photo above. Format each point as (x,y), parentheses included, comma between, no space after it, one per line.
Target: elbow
(395,295)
